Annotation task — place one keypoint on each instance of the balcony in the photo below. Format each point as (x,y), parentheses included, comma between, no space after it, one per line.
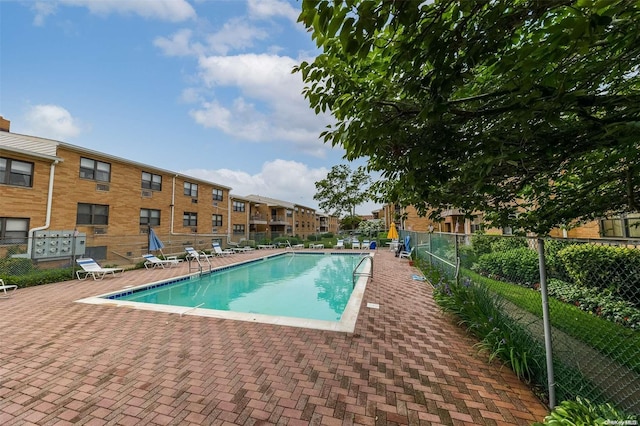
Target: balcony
(278,220)
(451,212)
(258,219)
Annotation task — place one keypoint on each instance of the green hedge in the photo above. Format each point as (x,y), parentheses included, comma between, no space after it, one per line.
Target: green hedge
(604,268)
(519,266)
(38,277)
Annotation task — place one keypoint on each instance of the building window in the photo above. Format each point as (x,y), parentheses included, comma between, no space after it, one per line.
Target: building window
(190,219)
(95,170)
(15,172)
(92,214)
(14,230)
(238,206)
(191,189)
(216,220)
(289,213)
(238,229)
(217,194)
(149,217)
(622,227)
(151,181)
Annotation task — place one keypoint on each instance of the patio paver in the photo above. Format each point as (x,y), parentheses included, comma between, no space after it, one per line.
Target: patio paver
(405,363)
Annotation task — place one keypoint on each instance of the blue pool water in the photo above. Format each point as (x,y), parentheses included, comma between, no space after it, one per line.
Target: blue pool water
(311,286)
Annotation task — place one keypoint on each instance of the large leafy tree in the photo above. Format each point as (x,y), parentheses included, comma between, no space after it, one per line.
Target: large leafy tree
(343,189)
(527,110)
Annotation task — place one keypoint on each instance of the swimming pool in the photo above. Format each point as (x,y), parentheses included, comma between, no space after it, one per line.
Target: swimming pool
(304,289)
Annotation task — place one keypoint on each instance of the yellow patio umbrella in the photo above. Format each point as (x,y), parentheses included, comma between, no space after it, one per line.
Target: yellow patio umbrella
(393,232)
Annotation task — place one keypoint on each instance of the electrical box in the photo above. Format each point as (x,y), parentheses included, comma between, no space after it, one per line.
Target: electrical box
(58,244)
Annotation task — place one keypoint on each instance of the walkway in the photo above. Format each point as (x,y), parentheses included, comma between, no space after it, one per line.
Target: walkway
(406,363)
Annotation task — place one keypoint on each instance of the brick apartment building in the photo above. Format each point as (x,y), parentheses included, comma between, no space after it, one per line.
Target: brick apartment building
(50,188)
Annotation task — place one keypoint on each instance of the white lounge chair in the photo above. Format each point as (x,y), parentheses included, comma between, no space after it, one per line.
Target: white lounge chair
(4,287)
(91,267)
(339,244)
(316,246)
(366,244)
(154,261)
(355,243)
(195,254)
(217,250)
(406,254)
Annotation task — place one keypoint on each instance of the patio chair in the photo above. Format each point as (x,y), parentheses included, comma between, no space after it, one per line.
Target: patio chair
(406,254)
(195,254)
(4,287)
(217,250)
(366,244)
(355,243)
(154,261)
(91,267)
(339,244)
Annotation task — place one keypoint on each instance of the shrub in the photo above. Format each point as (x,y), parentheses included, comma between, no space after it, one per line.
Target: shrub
(604,267)
(583,412)
(554,265)
(34,278)
(508,243)
(481,244)
(518,266)
(601,303)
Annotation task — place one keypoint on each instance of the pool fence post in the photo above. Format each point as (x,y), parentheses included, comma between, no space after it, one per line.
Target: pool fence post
(547,325)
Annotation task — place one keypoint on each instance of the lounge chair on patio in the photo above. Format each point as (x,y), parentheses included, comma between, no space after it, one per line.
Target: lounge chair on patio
(339,244)
(4,287)
(355,243)
(406,254)
(195,254)
(217,250)
(91,267)
(366,244)
(154,261)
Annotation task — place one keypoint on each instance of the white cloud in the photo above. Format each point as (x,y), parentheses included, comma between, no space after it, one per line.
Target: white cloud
(235,34)
(42,10)
(290,181)
(51,121)
(262,9)
(164,10)
(270,107)
(179,44)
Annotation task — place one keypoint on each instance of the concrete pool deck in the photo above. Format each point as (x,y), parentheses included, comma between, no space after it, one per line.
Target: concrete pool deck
(66,363)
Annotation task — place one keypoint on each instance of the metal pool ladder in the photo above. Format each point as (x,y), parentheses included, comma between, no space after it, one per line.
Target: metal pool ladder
(355,270)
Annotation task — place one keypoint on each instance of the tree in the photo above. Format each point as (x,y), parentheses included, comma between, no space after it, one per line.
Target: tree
(527,110)
(343,189)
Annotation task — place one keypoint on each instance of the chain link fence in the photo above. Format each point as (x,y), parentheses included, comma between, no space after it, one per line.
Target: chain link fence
(592,290)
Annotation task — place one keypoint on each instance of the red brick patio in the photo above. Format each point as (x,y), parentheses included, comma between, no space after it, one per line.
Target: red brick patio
(66,363)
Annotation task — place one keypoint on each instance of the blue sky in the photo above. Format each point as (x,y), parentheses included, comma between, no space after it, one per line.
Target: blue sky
(203,87)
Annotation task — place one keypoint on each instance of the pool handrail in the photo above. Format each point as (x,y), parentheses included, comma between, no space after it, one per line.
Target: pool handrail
(369,274)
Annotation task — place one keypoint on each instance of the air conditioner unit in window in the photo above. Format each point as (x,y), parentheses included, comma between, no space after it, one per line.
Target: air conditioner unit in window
(194,201)
(215,204)
(146,193)
(102,187)
(99,231)
(214,230)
